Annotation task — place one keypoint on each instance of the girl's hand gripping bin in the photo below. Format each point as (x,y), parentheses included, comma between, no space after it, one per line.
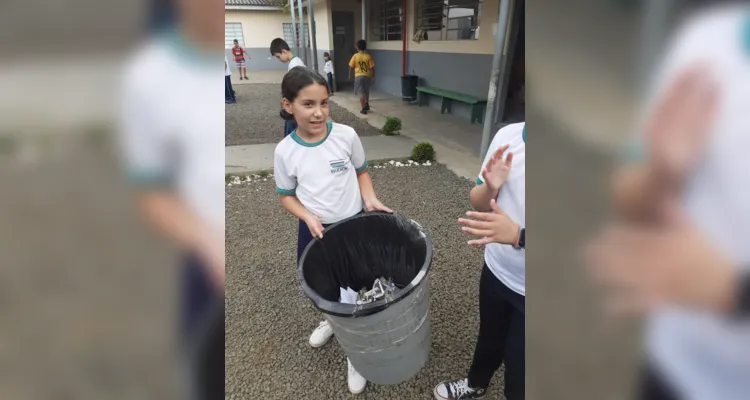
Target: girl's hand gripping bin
(387,340)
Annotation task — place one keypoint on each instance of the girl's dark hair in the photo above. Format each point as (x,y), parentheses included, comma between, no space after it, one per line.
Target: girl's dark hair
(326,55)
(294,81)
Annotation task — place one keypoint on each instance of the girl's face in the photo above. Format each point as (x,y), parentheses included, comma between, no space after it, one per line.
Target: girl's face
(310,109)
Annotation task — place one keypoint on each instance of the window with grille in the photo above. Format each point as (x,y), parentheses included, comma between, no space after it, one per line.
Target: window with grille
(289,35)
(232,31)
(386,19)
(448,19)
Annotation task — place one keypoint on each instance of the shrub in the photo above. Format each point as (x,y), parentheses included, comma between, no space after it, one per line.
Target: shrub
(392,126)
(423,152)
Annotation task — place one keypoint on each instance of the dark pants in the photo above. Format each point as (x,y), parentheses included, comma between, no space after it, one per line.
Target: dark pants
(653,387)
(289,127)
(330,82)
(502,320)
(198,296)
(228,91)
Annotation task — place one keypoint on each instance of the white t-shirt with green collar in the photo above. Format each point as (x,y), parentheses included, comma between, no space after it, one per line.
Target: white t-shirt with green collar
(507,263)
(323,175)
(295,62)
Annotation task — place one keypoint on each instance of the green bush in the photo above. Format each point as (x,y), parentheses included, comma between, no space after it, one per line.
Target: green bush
(392,126)
(423,152)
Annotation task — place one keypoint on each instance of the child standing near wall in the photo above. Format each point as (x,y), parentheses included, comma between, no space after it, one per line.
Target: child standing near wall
(364,74)
(328,69)
(239,57)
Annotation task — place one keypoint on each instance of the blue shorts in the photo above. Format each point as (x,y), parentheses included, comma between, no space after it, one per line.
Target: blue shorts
(197,296)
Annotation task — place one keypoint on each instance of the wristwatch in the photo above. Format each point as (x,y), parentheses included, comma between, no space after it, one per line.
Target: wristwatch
(521,241)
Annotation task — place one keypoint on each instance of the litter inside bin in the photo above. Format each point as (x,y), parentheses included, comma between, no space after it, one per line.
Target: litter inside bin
(381,288)
(354,255)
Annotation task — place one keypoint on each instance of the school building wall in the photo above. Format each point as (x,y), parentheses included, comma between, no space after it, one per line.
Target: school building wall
(460,65)
(260,27)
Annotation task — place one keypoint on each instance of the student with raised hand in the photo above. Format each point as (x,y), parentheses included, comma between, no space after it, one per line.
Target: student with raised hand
(500,201)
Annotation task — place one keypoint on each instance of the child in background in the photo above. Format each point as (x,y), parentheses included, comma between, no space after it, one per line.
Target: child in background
(328,69)
(364,75)
(280,50)
(239,57)
(229,97)
(310,187)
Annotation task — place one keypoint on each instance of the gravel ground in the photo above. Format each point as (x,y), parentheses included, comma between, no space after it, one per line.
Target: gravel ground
(269,321)
(255,118)
(87,289)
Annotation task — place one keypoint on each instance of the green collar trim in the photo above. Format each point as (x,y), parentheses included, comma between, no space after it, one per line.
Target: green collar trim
(182,46)
(746,35)
(296,138)
(523,135)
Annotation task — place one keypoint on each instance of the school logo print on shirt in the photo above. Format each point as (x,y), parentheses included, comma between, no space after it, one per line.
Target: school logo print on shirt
(338,166)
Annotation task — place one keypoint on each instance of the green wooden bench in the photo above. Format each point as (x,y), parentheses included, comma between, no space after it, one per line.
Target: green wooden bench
(477,105)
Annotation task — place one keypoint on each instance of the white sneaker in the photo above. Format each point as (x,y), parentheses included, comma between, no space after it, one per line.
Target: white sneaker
(356,382)
(321,334)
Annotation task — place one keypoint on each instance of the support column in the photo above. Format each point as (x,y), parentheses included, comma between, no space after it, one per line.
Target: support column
(302,33)
(502,27)
(313,39)
(364,20)
(294,28)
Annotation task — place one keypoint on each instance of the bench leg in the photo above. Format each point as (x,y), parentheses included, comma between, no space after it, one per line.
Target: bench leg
(477,113)
(446,105)
(420,97)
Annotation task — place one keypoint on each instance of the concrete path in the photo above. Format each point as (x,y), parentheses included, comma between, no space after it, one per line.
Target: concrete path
(455,140)
(259,157)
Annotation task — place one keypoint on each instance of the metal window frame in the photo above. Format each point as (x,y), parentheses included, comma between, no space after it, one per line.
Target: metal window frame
(381,27)
(292,42)
(229,42)
(429,9)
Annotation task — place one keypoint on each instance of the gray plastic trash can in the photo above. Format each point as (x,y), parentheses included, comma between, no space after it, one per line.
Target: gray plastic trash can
(388,342)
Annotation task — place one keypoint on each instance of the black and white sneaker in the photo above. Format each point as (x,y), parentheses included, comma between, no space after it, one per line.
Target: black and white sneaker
(367,107)
(458,390)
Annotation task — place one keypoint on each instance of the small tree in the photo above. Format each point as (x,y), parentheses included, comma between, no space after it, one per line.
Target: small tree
(392,126)
(423,152)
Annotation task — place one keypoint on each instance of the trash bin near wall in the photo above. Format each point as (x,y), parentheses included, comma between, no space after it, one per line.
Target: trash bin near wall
(409,85)
(388,341)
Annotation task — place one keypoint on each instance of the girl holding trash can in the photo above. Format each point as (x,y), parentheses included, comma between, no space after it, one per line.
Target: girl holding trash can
(320,172)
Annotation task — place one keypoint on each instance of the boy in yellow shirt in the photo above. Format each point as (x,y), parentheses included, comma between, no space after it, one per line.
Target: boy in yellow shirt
(364,75)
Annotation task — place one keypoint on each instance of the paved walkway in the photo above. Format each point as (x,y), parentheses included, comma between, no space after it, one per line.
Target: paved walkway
(259,157)
(455,140)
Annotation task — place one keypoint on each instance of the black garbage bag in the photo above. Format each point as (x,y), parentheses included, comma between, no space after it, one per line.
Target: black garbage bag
(355,252)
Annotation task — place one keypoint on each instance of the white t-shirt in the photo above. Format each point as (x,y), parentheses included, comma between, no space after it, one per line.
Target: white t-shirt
(227,72)
(509,264)
(174,138)
(703,356)
(322,175)
(295,62)
(328,68)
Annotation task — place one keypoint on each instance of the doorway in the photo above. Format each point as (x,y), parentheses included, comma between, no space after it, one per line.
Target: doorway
(343,45)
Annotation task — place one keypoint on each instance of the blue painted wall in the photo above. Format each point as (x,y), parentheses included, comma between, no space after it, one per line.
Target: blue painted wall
(465,73)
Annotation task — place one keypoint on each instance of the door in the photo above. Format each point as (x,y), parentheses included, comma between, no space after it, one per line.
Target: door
(343,44)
